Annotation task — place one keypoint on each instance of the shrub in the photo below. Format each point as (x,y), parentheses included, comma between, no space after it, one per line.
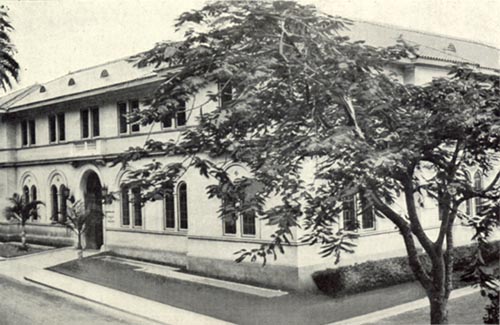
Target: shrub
(382,273)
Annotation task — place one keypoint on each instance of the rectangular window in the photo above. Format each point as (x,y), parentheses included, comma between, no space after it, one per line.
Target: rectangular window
(61,127)
(230,221)
(167,123)
(367,213)
(170,210)
(24,132)
(84,120)
(89,119)
(52,128)
(125,207)
(122,115)
(32,132)
(183,206)
(349,214)
(136,194)
(96,131)
(134,107)
(181,114)
(249,224)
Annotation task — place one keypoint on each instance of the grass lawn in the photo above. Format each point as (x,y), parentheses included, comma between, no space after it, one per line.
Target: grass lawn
(464,310)
(11,249)
(232,306)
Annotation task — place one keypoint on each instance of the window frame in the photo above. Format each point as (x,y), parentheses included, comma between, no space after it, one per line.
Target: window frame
(129,106)
(357,210)
(59,127)
(132,208)
(90,120)
(28,132)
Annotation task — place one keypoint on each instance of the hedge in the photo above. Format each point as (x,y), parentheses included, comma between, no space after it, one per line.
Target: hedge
(386,272)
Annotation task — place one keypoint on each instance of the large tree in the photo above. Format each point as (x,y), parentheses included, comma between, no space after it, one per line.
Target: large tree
(293,89)
(9,68)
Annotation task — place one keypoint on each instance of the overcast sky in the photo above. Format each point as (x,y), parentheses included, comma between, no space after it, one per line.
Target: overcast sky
(54,37)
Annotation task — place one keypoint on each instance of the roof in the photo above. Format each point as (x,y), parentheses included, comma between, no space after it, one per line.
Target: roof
(430,46)
(81,81)
(122,71)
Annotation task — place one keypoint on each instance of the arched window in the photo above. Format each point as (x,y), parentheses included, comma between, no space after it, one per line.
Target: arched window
(34,195)
(183,212)
(478,186)
(26,194)
(63,192)
(468,203)
(169,208)
(136,194)
(125,200)
(55,203)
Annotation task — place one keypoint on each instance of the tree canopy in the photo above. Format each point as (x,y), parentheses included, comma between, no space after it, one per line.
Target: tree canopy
(9,68)
(294,89)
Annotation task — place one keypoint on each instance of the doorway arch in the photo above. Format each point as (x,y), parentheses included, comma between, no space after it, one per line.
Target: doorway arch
(92,193)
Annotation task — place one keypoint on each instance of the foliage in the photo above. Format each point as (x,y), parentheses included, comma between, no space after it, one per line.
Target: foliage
(294,92)
(386,272)
(9,68)
(21,210)
(79,218)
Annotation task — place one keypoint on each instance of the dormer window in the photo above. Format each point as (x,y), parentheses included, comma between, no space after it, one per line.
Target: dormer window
(451,48)
(71,82)
(42,89)
(104,73)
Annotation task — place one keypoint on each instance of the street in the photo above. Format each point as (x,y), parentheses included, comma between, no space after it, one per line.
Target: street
(29,304)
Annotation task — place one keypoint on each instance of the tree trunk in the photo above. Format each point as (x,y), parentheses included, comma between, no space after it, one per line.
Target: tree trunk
(79,243)
(439,311)
(23,238)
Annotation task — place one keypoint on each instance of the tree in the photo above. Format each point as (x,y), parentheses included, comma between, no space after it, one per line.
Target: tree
(9,68)
(293,89)
(21,210)
(79,219)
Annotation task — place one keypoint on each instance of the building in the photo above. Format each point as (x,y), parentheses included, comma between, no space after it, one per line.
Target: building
(58,137)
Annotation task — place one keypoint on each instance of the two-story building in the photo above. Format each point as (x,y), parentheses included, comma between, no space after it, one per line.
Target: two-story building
(58,138)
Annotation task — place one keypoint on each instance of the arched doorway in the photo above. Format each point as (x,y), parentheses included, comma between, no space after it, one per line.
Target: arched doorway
(93,203)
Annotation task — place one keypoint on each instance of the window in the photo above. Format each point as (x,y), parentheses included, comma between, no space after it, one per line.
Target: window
(55,203)
(28,132)
(34,198)
(64,207)
(26,194)
(468,203)
(131,206)
(32,131)
(124,110)
(180,120)
(89,121)
(57,128)
(349,213)
(226,92)
(249,224)
(125,200)
(170,208)
(248,227)
(183,212)
(136,194)
(354,206)
(478,186)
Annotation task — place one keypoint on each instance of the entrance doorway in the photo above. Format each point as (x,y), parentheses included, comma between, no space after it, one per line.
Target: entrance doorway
(93,203)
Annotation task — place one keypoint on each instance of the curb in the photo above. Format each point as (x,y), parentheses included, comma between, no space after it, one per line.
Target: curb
(403,308)
(6,259)
(118,300)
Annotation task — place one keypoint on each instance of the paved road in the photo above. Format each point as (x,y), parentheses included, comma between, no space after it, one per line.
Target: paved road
(23,303)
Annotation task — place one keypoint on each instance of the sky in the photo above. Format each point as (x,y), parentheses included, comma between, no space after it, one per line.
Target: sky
(54,37)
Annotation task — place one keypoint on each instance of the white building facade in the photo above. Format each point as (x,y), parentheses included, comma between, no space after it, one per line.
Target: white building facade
(58,138)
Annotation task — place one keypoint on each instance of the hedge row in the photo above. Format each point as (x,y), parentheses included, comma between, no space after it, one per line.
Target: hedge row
(386,272)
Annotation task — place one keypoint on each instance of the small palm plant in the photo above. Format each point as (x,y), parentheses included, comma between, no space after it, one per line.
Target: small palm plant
(79,219)
(21,210)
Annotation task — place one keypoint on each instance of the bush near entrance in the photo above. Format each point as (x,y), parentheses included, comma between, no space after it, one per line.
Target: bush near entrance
(382,273)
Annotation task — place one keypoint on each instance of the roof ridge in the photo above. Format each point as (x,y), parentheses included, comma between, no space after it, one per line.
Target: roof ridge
(393,26)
